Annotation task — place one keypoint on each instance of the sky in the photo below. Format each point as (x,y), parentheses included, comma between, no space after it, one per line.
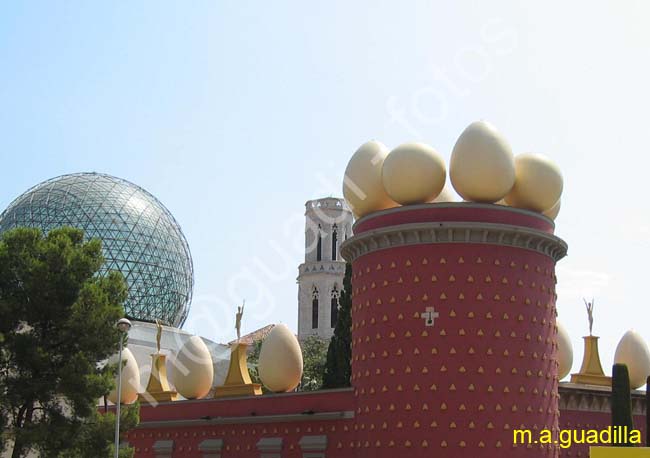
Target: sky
(234,113)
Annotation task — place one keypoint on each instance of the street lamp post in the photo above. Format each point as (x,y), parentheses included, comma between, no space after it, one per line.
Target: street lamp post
(123,325)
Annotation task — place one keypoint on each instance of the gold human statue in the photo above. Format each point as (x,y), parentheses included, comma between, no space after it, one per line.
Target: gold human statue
(158,334)
(238,316)
(590,313)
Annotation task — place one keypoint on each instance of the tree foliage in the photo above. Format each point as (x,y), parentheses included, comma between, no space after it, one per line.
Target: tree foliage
(338,369)
(57,323)
(252,361)
(621,401)
(314,357)
(95,437)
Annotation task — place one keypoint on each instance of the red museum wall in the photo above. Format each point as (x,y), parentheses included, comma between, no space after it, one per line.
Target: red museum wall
(485,367)
(454,389)
(240,439)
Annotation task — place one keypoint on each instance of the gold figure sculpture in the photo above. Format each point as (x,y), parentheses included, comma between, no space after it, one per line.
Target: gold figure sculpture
(158,334)
(591,371)
(158,389)
(238,317)
(590,314)
(238,381)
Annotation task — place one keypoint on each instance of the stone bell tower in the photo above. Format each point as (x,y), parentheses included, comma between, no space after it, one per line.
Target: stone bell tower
(328,223)
(453,330)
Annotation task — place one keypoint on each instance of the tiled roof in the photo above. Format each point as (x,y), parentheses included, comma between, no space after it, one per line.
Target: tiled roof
(256,335)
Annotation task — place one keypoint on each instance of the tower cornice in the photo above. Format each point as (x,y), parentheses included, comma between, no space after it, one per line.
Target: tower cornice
(454,232)
(454,223)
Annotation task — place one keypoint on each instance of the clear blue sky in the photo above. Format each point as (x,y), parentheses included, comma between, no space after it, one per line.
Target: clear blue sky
(235,113)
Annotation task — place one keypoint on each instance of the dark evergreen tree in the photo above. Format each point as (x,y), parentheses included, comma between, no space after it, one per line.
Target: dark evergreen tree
(647,412)
(339,354)
(57,322)
(621,401)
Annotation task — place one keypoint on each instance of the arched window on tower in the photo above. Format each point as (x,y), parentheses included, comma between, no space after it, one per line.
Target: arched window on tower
(319,245)
(334,307)
(314,308)
(334,241)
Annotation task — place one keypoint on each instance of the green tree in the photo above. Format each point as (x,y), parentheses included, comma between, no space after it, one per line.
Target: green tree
(339,354)
(57,323)
(621,401)
(95,437)
(314,356)
(252,362)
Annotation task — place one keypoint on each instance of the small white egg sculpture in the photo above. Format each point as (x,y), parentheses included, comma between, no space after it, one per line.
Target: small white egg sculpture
(192,371)
(446,195)
(130,378)
(564,352)
(280,361)
(538,183)
(413,173)
(362,185)
(633,351)
(482,167)
(554,210)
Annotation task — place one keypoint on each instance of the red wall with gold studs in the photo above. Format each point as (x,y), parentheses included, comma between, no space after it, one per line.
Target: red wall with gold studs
(486,366)
(456,388)
(247,420)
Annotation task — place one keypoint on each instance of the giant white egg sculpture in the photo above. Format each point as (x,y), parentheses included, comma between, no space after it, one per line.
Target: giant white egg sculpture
(413,173)
(362,185)
(192,370)
(130,378)
(564,352)
(538,183)
(633,351)
(482,167)
(280,361)
(554,210)
(446,195)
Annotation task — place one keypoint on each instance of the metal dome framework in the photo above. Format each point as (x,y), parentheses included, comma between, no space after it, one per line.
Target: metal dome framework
(140,237)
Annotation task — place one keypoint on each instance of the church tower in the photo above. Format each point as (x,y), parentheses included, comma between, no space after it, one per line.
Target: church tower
(328,223)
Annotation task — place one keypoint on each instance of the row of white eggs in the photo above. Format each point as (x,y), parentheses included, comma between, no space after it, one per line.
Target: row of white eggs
(631,350)
(482,169)
(280,367)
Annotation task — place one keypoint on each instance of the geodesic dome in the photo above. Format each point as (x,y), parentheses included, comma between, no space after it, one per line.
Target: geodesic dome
(140,237)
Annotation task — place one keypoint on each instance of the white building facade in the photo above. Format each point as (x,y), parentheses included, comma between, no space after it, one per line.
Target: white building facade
(328,222)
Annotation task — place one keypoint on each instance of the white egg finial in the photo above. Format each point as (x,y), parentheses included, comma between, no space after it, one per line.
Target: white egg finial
(482,167)
(633,351)
(280,361)
(538,183)
(362,185)
(130,378)
(192,371)
(413,173)
(564,352)
(446,195)
(554,210)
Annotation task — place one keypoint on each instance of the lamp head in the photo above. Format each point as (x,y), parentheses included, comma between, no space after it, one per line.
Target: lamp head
(123,325)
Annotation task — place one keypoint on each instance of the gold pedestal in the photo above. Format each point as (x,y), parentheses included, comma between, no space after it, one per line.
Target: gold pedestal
(158,387)
(591,372)
(238,381)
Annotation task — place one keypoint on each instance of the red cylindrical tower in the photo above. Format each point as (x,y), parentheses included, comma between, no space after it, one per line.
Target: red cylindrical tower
(453,329)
